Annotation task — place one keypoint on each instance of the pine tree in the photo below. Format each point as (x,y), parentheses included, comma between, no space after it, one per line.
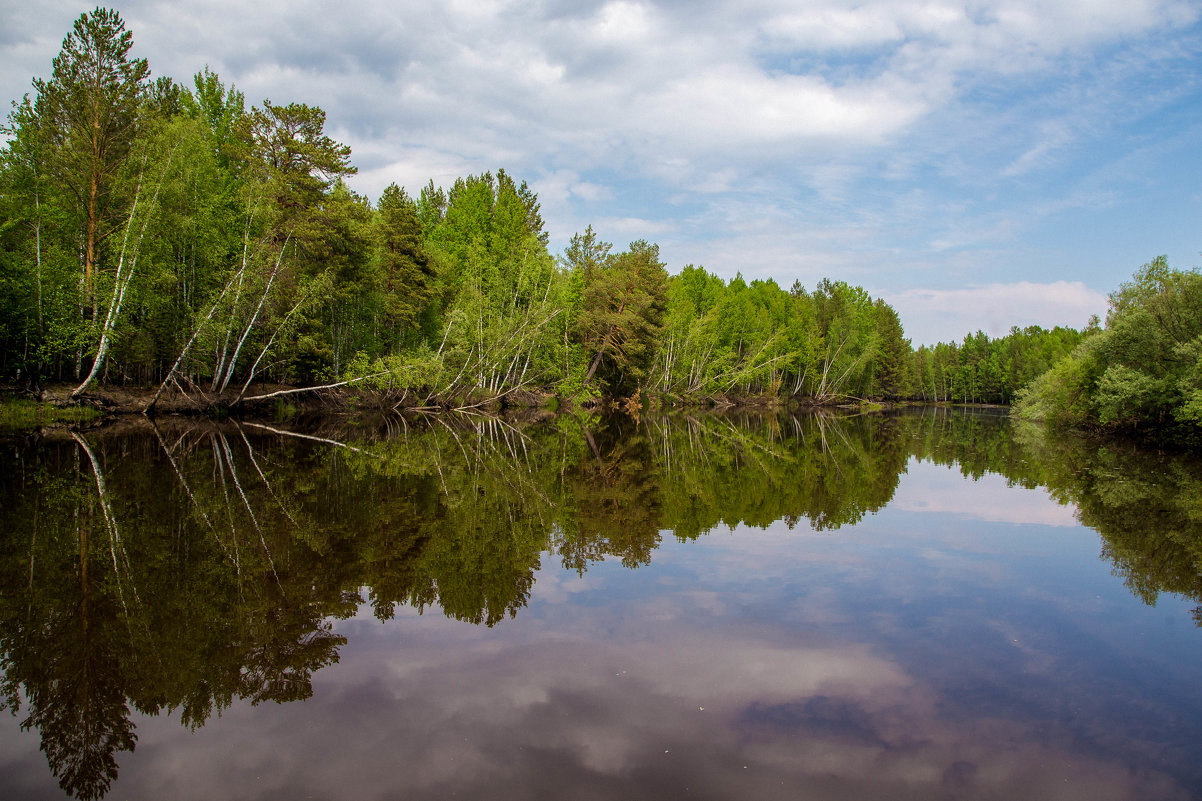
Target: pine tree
(624,303)
(892,354)
(404,263)
(88,112)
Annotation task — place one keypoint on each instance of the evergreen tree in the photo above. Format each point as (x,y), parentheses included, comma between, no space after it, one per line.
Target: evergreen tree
(892,362)
(623,305)
(88,112)
(406,269)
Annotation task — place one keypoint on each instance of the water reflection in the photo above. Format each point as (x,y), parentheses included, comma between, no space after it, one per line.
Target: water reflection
(186,570)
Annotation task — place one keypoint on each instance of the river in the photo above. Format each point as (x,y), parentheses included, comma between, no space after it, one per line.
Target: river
(935,604)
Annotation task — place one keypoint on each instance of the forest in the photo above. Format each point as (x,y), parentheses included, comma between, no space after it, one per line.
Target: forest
(161,234)
(169,236)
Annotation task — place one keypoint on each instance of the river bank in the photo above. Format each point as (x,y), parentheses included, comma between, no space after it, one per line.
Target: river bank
(53,405)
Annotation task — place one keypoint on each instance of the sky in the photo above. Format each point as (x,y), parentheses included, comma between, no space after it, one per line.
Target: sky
(978,165)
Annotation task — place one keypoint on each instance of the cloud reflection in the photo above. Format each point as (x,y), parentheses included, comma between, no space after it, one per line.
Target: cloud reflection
(928,487)
(653,711)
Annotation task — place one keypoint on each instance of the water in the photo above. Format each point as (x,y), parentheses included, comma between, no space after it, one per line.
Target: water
(929,605)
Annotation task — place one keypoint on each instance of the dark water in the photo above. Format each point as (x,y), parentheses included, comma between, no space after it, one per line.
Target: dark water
(926,606)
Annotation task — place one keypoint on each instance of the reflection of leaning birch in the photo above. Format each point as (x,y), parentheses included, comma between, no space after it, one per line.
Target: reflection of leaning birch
(492,430)
(110,523)
(219,465)
(713,435)
(285,433)
(229,458)
(250,452)
(184,483)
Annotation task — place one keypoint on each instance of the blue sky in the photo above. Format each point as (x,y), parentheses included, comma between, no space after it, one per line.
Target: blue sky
(977,164)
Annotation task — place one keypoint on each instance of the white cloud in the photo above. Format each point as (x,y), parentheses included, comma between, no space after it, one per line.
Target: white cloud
(941,315)
(1053,136)
(631,227)
(561,185)
(607,697)
(625,23)
(740,106)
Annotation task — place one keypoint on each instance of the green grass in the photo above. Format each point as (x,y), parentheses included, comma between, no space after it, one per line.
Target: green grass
(22,413)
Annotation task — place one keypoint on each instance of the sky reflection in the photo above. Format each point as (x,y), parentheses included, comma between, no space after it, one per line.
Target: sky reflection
(967,639)
(993,498)
(749,664)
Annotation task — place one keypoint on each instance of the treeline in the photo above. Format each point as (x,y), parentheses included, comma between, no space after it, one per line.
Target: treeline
(159,234)
(984,370)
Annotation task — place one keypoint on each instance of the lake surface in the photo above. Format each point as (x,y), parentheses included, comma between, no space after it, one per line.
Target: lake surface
(929,605)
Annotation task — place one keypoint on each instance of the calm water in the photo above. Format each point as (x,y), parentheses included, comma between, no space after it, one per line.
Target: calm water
(926,606)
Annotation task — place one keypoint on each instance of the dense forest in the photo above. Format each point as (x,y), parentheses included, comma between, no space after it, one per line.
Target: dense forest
(161,234)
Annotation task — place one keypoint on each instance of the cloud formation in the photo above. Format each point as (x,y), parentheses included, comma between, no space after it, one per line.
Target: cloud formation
(994,308)
(931,488)
(650,703)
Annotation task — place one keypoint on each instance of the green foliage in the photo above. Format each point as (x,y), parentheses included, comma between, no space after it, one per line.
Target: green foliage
(890,373)
(1124,394)
(1059,396)
(298,162)
(87,115)
(984,370)
(406,271)
(1190,383)
(622,305)
(67,188)
(1143,370)
(221,113)
(760,341)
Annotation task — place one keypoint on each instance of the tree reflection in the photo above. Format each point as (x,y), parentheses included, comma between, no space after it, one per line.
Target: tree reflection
(121,594)
(185,568)
(1146,505)
(611,498)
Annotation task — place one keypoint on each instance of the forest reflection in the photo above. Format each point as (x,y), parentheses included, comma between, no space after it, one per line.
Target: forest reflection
(183,567)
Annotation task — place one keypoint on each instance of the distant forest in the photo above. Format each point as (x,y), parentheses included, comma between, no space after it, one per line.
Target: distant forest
(164,235)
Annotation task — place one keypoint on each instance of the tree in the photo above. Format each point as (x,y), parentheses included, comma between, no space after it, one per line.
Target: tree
(1142,371)
(586,253)
(299,164)
(88,112)
(623,305)
(222,111)
(135,229)
(406,270)
(30,273)
(294,165)
(845,320)
(892,357)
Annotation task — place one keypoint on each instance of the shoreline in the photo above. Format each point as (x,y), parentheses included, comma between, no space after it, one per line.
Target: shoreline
(110,403)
